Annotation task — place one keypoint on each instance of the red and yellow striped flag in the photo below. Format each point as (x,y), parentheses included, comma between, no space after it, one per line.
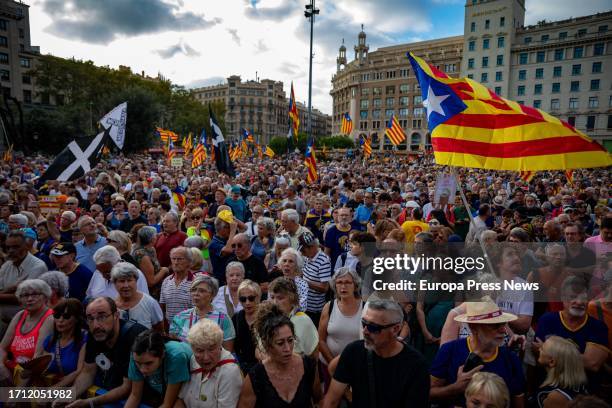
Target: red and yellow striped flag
(347,124)
(367,146)
(569,174)
(199,154)
(310,161)
(394,131)
(473,127)
(527,176)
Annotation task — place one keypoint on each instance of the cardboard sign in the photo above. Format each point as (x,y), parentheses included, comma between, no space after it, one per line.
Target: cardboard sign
(177,162)
(49,204)
(445,185)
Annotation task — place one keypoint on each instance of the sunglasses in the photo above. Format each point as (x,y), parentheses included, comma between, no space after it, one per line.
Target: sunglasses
(64,315)
(243,299)
(195,217)
(237,245)
(375,328)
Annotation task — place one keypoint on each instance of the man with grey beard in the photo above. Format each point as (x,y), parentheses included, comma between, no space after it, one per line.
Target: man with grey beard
(573,323)
(107,354)
(381,370)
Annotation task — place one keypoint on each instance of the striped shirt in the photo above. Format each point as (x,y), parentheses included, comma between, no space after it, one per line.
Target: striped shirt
(317,269)
(176,298)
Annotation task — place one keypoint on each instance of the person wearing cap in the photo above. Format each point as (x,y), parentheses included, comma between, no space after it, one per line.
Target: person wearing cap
(31,238)
(488,325)
(316,273)
(79,276)
(237,204)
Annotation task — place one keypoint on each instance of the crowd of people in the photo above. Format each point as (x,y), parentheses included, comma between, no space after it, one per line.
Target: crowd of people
(166,286)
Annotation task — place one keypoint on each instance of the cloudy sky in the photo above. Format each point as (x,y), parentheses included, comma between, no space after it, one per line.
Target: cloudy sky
(202,42)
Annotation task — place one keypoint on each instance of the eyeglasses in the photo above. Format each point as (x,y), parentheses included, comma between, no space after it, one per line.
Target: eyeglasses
(98,318)
(243,299)
(237,245)
(64,315)
(27,295)
(375,328)
(195,217)
(177,259)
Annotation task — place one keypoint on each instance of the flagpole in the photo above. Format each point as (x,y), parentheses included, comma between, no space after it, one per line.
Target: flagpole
(310,13)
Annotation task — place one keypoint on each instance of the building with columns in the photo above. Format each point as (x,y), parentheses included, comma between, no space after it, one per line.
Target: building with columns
(559,67)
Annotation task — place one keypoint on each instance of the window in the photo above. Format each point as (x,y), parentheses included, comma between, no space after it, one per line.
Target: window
(498,76)
(556,87)
(471,63)
(363,114)
(363,125)
(487,24)
(575,86)
(573,103)
(582,32)
(365,91)
(539,73)
(4,58)
(497,90)
(602,28)
(44,98)
(523,57)
(522,75)
(598,49)
(544,38)
(377,91)
(527,40)
(576,69)
(578,51)
(417,100)
(3,41)
(500,60)
(404,72)
(473,27)
(554,104)
(389,101)
(403,101)
(502,21)
(3,24)
(416,123)
(609,121)
(520,90)
(541,56)
(537,103)
(417,111)
(471,76)
(537,89)
(471,45)
(571,120)
(377,102)
(594,84)
(390,90)
(403,112)
(590,125)
(500,42)
(24,62)
(593,102)
(5,75)
(27,96)
(26,79)
(404,88)
(563,35)
(556,72)
(376,113)
(365,104)
(596,67)
(389,113)
(485,44)
(520,102)
(485,62)
(558,54)
(484,77)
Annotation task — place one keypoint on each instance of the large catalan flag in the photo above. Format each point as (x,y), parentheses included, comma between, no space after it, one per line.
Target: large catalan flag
(473,127)
(171,151)
(311,163)
(346,126)
(394,131)
(187,144)
(294,115)
(199,154)
(366,145)
(164,134)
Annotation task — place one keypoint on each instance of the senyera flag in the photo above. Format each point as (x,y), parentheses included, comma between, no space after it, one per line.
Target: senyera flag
(473,127)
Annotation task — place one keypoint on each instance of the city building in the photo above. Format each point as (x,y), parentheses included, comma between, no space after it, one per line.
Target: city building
(17,55)
(261,107)
(558,67)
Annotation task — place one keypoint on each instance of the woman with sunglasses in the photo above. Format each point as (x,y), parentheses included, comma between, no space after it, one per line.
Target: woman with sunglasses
(119,213)
(67,343)
(249,294)
(28,328)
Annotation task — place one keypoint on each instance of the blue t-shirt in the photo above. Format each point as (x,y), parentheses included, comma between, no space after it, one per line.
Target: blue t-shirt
(591,331)
(363,213)
(175,365)
(239,208)
(217,261)
(453,354)
(69,355)
(79,281)
(337,240)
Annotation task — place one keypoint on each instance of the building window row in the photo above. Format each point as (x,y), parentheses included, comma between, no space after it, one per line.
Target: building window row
(559,54)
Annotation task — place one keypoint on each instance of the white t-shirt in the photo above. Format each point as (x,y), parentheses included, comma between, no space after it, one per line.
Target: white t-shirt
(517,302)
(147,312)
(99,286)
(219,301)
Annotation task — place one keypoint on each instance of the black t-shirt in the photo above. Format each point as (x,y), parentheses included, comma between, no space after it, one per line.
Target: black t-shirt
(113,363)
(244,344)
(128,223)
(254,268)
(400,381)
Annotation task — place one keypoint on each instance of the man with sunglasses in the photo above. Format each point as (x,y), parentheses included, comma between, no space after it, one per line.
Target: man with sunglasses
(107,354)
(381,370)
(254,268)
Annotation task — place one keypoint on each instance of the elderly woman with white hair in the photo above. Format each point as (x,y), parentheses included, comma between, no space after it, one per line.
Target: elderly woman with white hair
(101,284)
(58,282)
(263,241)
(216,379)
(133,304)
(121,241)
(226,300)
(291,265)
(281,243)
(146,259)
(203,290)
(28,329)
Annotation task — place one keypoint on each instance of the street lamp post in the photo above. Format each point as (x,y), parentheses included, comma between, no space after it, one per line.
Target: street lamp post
(310,13)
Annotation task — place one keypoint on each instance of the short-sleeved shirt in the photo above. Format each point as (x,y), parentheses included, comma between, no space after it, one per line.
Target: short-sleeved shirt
(183,321)
(164,244)
(79,281)
(30,268)
(68,355)
(307,337)
(175,365)
(400,380)
(517,302)
(146,312)
(453,354)
(591,331)
(337,241)
(239,208)
(217,260)
(176,298)
(86,252)
(254,268)
(316,222)
(317,269)
(99,286)
(113,362)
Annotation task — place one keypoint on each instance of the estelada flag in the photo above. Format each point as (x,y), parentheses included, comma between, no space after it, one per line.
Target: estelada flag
(471,126)
(311,163)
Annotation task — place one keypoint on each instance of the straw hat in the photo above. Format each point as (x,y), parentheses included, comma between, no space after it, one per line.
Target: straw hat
(485,311)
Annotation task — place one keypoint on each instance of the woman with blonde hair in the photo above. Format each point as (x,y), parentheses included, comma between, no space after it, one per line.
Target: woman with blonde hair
(487,390)
(565,374)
